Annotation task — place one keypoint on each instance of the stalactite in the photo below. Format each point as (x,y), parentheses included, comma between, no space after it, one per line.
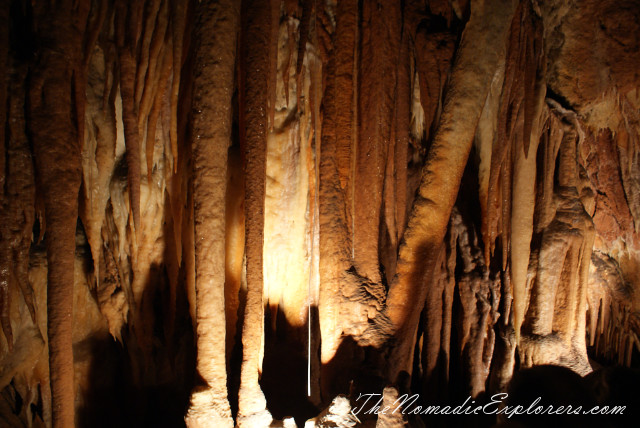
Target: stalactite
(355,130)
(380,40)
(92,218)
(213,89)
(611,215)
(6,257)
(273,57)
(527,116)
(388,228)
(551,140)
(484,143)
(291,40)
(609,310)
(254,94)
(58,163)
(100,143)
(154,114)
(322,29)
(4,57)
(396,161)
(154,69)
(509,125)
(562,267)
(402,126)
(80,75)
(477,59)
(346,129)
(506,172)
(630,158)
(437,316)
(178,10)
(126,23)
(460,274)
(160,54)
(304,37)
(145,59)
(17,212)
(336,132)
(306,19)
(179,183)
(434,54)
(5,298)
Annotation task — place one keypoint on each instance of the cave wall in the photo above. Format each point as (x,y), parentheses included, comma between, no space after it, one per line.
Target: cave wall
(240,210)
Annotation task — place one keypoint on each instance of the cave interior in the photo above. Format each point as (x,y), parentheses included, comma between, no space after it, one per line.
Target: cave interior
(254,213)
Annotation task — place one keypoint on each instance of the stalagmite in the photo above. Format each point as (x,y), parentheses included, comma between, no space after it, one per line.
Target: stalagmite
(392,416)
(483,42)
(213,89)
(338,414)
(254,84)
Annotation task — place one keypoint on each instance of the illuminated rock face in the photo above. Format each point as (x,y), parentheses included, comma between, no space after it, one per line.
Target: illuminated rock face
(224,212)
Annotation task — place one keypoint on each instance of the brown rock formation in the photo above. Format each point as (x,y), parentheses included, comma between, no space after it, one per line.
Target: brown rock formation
(234,211)
(213,89)
(57,158)
(254,84)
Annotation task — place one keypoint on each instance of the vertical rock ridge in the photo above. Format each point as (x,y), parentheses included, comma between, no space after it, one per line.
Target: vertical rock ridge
(212,120)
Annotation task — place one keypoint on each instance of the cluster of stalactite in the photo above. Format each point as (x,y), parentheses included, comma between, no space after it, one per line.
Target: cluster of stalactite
(241,209)
(92,154)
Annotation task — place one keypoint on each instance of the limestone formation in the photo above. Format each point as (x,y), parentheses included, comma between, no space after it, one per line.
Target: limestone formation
(252,212)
